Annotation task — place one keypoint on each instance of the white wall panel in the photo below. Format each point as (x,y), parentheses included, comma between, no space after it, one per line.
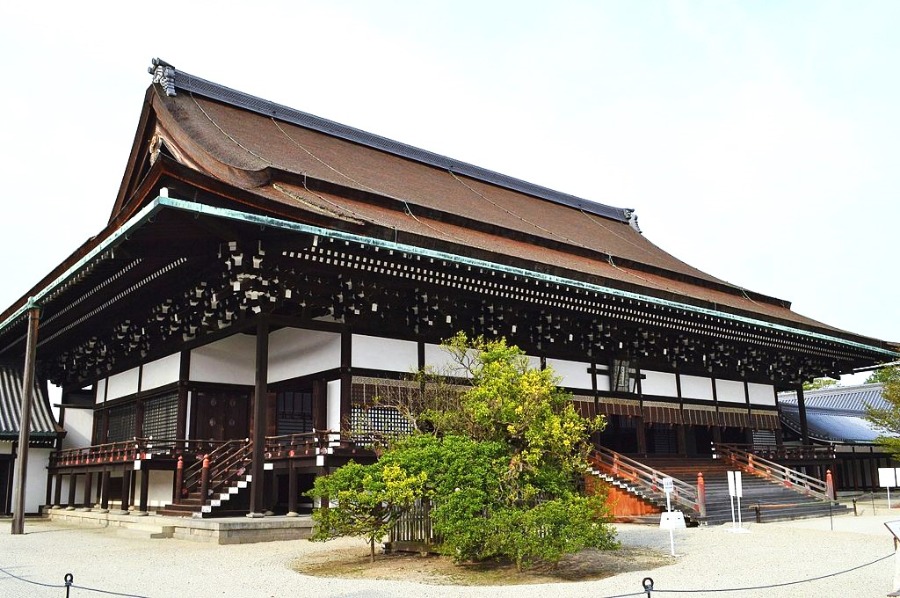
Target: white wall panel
(761,394)
(333,413)
(231,360)
(574,374)
(101,391)
(659,383)
(36,482)
(161,372)
(159,490)
(295,352)
(696,387)
(730,391)
(122,385)
(79,425)
(439,359)
(379,353)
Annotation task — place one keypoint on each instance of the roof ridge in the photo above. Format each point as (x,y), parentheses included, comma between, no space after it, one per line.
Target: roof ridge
(171,80)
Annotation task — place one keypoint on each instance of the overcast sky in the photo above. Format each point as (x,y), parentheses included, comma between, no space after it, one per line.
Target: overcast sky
(758,140)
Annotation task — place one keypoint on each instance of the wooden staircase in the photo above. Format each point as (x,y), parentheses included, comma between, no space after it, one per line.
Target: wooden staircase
(215,486)
(770,492)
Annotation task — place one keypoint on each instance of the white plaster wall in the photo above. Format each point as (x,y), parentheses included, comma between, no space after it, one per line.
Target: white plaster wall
(122,385)
(761,394)
(36,479)
(5,448)
(696,387)
(439,359)
(159,489)
(730,391)
(659,383)
(294,352)
(333,405)
(231,360)
(574,374)
(384,354)
(79,425)
(603,382)
(101,391)
(534,363)
(161,372)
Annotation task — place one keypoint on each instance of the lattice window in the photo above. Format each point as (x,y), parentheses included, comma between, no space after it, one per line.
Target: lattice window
(161,417)
(622,377)
(371,423)
(294,412)
(121,423)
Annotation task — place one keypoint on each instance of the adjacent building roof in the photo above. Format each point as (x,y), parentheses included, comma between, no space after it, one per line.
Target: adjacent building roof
(836,414)
(44,429)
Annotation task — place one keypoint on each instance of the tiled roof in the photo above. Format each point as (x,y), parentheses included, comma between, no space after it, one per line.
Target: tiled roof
(836,414)
(43,425)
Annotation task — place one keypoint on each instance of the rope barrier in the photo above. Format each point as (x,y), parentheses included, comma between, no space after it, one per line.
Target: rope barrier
(647,583)
(69,578)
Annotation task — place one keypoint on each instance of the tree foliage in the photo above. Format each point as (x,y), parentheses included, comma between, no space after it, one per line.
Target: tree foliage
(884,375)
(501,463)
(888,419)
(819,383)
(370,498)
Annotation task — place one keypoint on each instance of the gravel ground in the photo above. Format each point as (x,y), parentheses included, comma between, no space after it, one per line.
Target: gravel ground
(709,559)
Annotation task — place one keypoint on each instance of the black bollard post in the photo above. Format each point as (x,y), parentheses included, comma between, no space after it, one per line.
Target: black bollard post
(647,582)
(68,579)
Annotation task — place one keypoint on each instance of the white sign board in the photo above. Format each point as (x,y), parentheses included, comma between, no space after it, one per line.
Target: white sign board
(672,520)
(887,477)
(735,487)
(668,485)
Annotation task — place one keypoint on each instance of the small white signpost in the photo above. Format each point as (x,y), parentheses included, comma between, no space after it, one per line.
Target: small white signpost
(736,490)
(887,478)
(671,519)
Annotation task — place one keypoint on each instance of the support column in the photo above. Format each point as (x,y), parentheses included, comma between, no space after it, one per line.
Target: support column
(126,490)
(145,490)
(88,482)
(801,406)
(20,476)
(57,490)
(259,419)
(70,502)
(292,490)
(104,491)
(641,430)
(346,379)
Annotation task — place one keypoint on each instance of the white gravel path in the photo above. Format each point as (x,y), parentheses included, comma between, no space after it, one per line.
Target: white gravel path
(708,559)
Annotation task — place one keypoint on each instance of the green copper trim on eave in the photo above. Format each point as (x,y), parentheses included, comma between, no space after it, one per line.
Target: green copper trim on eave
(441,255)
(111,241)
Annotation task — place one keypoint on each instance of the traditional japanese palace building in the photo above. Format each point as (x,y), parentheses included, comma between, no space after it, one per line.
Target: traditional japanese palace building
(265,272)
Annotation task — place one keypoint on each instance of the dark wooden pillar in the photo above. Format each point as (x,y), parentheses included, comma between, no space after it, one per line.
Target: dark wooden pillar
(346,379)
(57,490)
(681,439)
(320,404)
(70,502)
(641,429)
(801,406)
(184,376)
(145,490)
(257,467)
(88,482)
(292,489)
(126,489)
(20,474)
(104,490)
